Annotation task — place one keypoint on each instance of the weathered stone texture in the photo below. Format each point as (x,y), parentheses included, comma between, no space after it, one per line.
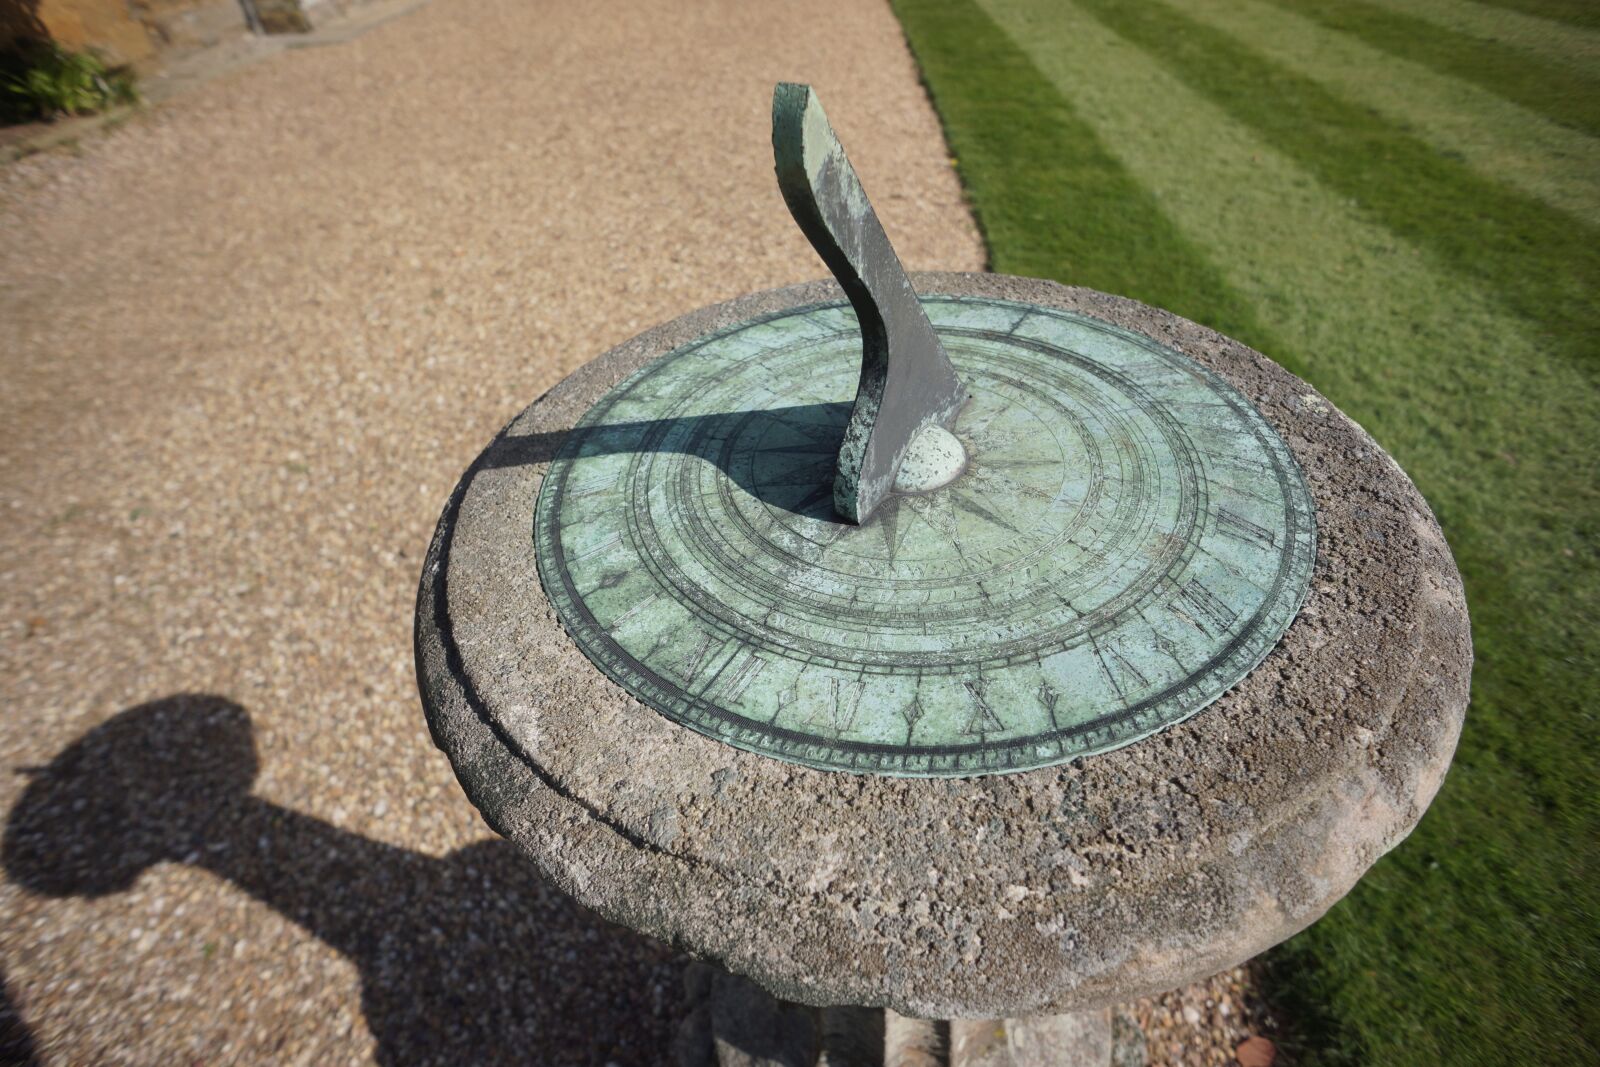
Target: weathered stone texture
(108,26)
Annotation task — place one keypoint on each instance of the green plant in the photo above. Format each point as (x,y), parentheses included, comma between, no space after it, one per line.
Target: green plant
(43,80)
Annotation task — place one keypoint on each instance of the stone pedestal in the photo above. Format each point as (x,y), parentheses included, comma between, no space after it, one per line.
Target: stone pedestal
(290,16)
(1054,892)
(733,1022)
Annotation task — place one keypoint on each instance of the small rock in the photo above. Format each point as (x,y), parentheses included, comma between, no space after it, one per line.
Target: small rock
(1256,1052)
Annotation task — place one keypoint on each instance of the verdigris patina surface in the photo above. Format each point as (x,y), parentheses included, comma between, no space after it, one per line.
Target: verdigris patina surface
(1128,539)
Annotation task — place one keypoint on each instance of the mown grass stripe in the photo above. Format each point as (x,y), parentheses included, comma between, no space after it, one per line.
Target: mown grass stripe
(1555,164)
(1350,304)
(1054,212)
(1472,943)
(1491,948)
(1561,42)
(1570,96)
(1585,13)
(1541,263)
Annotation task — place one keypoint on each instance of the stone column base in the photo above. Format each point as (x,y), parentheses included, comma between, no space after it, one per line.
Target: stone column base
(735,1023)
(280,16)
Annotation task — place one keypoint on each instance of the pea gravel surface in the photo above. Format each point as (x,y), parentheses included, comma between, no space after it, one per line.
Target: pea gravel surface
(251,339)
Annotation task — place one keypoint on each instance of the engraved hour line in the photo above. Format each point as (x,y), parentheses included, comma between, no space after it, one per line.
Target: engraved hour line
(1002,464)
(655,646)
(790,478)
(1243,529)
(978,428)
(809,429)
(1027,313)
(816,496)
(807,448)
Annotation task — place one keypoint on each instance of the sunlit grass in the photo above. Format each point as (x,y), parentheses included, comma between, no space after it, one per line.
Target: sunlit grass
(1172,155)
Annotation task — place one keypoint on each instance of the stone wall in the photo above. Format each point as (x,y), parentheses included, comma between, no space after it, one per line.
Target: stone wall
(190,23)
(126,31)
(110,26)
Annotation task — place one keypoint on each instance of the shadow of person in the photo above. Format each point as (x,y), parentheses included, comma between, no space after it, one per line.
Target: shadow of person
(468,959)
(16,1041)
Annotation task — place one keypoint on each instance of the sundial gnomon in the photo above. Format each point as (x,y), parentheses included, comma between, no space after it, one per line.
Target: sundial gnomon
(867,562)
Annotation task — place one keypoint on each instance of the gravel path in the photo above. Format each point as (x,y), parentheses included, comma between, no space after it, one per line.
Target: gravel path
(252,340)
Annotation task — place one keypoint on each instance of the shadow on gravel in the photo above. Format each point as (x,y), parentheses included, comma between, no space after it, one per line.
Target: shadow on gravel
(468,959)
(16,1042)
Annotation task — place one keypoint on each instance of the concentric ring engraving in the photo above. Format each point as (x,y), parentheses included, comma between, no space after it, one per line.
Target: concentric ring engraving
(1130,539)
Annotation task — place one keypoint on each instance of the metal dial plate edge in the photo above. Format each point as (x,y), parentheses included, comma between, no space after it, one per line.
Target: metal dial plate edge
(653,684)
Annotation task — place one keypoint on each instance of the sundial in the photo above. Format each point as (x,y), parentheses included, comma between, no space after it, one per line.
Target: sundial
(810,571)
(920,536)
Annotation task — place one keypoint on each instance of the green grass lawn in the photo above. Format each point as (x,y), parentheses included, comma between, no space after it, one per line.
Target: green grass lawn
(1400,201)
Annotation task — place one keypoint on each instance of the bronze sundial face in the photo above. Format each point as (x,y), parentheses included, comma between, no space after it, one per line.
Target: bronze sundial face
(1071,538)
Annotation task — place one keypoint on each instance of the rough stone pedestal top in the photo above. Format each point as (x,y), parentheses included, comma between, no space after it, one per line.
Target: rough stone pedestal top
(1054,890)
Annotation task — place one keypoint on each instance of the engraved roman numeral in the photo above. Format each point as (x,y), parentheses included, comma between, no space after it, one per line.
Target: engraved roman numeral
(1128,668)
(785,698)
(1237,526)
(983,720)
(847,698)
(595,483)
(620,620)
(1048,698)
(737,676)
(1126,671)
(838,713)
(1168,647)
(690,665)
(1201,606)
(604,546)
